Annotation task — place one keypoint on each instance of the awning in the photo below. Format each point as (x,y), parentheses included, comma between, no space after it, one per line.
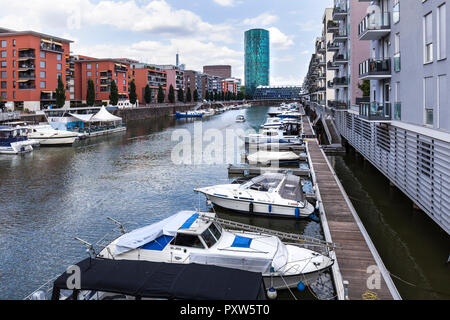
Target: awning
(82,117)
(145,279)
(104,116)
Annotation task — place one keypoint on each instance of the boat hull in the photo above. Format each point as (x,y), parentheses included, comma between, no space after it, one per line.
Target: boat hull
(280,283)
(184,115)
(57,141)
(244,206)
(16,148)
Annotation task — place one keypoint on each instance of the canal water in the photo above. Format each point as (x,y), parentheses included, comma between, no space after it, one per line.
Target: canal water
(52,195)
(413,248)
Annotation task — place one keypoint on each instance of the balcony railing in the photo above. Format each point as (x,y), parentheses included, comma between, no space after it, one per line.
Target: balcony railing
(340,9)
(376,111)
(51,47)
(398,111)
(332,26)
(375,69)
(397,62)
(27,85)
(340,58)
(332,66)
(337,104)
(342,81)
(27,75)
(333,46)
(375,26)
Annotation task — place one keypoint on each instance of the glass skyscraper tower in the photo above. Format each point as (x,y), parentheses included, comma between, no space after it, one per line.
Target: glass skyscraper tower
(257,59)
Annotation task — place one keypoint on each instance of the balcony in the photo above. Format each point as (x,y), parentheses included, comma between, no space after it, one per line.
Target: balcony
(26,66)
(375,69)
(337,104)
(340,36)
(26,54)
(27,85)
(332,66)
(376,111)
(54,47)
(340,10)
(120,68)
(26,75)
(332,26)
(333,46)
(340,59)
(48,95)
(375,26)
(340,82)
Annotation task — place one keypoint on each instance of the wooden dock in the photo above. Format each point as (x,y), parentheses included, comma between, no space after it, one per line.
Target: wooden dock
(357,261)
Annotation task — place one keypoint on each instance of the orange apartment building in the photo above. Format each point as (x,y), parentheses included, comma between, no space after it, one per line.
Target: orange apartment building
(102,72)
(150,75)
(229,85)
(30,64)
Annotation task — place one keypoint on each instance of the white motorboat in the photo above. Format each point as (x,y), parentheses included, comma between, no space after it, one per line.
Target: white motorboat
(273,123)
(192,237)
(272,136)
(270,194)
(240,118)
(47,136)
(273,157)
(12,141)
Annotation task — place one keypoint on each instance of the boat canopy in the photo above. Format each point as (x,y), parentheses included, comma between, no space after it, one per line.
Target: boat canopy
(142,236)
(143,279)
(265,182)
(292,189)
(82,117)
(104,116)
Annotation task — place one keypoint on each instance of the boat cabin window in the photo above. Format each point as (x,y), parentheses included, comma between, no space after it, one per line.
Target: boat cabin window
(187,240)
(208,238)
(215,230)
(266,183)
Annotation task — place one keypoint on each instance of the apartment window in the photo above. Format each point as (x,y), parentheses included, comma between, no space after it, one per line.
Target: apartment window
(14,84)
(396,11)
(14,42)
(429,99)
(89,66)
(3,43)
(42,64)
(42,54)
(3,54)
(58,57)
(442,100)
(3,64)
(58,75)
(124,82)
(42,84)
(89,74)
(58,66)
(441,29)
(96,66)
(14,63)
(14,52)
(4,95)
(42,74)
(3,85)
(14,94)
(428,37)
(3,74)
(397,56)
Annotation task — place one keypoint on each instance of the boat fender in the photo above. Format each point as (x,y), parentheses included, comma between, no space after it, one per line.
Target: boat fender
(314,217)
(250,209)
(272,294)
(301,286)
(270,208)
(297,212)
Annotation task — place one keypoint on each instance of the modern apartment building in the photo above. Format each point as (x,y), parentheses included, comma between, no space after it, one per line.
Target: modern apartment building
(257,60)
(193,81)
(222,71)
(102,72)
(277,92)
(404,130)
(175,77)
(144,74)
(30,64)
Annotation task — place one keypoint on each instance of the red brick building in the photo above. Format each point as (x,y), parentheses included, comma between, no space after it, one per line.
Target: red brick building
(30,64)
(150,75)
(102,72)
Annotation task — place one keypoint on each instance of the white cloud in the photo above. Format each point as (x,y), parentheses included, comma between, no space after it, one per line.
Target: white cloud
(311,26)
(226,3)
(263,19)
(279,40)
(289,80)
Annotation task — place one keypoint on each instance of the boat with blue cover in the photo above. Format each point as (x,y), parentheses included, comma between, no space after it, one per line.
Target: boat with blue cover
(189,114)
(12,141)
(194,237)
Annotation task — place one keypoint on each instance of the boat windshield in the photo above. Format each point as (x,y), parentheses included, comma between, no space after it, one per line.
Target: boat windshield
(292,189)
(266,182)
(208,238)
(216,230)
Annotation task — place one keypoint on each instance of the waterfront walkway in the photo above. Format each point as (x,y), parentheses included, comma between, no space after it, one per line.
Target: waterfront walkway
(356,254)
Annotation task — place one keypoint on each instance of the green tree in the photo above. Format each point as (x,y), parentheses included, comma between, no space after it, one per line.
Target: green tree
(207,95)
(147,94)
(161,95)
(196,95)
(60,93)
(90,94)
(171,95)
(114,94)
(188,95)
(132,92)
(365,88)
(222,96)
(181,95)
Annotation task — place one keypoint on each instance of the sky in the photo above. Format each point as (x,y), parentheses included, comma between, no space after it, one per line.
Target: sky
(204,32)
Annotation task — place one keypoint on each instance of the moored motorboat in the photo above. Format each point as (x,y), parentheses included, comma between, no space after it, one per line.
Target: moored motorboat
(47,136)
(270,194)
(189,114)
(275,157)
(192,237)
(272,136)
(13,141)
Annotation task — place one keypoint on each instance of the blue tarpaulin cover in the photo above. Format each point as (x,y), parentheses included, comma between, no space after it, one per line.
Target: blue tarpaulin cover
(158,244)
(190,221)
(242,242)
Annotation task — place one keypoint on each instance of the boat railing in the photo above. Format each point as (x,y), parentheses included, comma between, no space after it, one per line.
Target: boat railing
(304,241)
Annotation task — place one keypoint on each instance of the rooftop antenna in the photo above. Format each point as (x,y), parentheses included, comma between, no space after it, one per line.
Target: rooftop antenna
(178,59)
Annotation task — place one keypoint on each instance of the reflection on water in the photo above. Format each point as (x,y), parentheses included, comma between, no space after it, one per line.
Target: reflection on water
(52,195)
(410,244)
